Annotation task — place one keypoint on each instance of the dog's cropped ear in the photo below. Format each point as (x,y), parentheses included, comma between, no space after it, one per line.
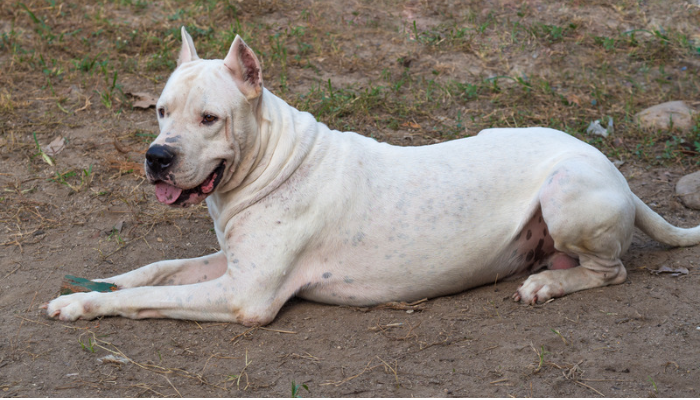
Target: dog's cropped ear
(245,68)
(188,52)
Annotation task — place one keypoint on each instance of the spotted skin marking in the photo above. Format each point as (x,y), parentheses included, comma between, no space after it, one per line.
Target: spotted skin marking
(535,249)
(326,275)
(171,178)
(530,255)
(539,253)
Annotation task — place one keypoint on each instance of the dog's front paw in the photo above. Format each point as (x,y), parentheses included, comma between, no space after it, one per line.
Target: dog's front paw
(71,307)
(539,288)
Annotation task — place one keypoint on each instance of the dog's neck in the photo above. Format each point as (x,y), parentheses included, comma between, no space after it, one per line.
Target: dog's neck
(285,138)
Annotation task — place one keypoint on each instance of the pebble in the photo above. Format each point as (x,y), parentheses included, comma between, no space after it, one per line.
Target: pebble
(688,189)
(662,116)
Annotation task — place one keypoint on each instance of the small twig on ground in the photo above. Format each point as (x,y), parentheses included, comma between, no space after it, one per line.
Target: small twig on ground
(111,348)
(401,305)
(277,330)
(148,389)
(31,320)
(13,271)
(243,334)
(584,385)
(396,375)
(671,363)
(242,373)
(171,384)
(365,369)
(308,356)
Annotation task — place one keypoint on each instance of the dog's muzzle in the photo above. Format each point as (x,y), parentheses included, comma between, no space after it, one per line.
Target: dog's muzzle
(159,163)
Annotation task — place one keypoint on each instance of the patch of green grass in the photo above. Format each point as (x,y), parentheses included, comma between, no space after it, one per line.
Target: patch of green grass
(8,40)
(490,21)
(226,37)
(88,345)
(107,95)
(136,5)
(296,393)
(653,384)
(51,68)
(144,136)
(115,235)
(279,55)
(243,374)
(556,332)
(44,30)
(541,354)
(608,43)
(177,15)
(39,152)
(84,177)
(466,91)
(161,60)
(449,34)
(88,64)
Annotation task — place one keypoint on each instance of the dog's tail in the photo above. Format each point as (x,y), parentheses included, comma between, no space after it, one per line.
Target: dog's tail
(660,230)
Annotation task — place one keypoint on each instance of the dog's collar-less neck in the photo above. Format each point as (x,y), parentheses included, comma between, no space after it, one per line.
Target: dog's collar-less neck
(286,138)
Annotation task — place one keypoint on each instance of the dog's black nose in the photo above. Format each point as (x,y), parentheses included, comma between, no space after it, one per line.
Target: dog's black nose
(159,158)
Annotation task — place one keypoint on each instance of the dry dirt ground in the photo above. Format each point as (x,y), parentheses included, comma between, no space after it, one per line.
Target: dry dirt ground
(396,70)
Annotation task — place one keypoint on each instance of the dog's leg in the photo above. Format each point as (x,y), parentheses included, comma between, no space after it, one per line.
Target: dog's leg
(593,272)
(216,300)
(590,215)
(172,272)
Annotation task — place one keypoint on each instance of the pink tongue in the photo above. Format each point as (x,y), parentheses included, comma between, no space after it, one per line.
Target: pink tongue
(208,185)
(167,194)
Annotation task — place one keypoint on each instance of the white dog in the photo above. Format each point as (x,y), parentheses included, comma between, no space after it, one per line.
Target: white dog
(335,217)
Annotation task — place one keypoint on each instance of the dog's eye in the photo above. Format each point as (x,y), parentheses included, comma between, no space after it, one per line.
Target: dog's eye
(208,119)
(161,112)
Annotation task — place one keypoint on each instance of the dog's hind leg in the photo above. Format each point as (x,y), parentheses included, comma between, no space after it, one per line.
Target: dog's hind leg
(590,214)
(172,272)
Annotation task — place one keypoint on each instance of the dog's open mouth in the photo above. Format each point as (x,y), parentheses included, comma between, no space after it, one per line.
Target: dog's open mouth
(175,196)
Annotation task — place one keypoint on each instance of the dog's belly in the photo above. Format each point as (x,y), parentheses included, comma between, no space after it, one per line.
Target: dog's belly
(404,275)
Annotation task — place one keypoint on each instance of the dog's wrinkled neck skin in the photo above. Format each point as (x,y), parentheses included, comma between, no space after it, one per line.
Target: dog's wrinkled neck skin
(275,152)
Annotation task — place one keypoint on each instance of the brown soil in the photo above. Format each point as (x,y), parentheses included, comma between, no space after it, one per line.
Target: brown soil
(637,339)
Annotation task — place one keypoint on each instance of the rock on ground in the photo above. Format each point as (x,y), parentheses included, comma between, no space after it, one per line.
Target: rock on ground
(688,189)
(674,114)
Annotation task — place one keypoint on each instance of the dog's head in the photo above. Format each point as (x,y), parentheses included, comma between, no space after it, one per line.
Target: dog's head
(208,122)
